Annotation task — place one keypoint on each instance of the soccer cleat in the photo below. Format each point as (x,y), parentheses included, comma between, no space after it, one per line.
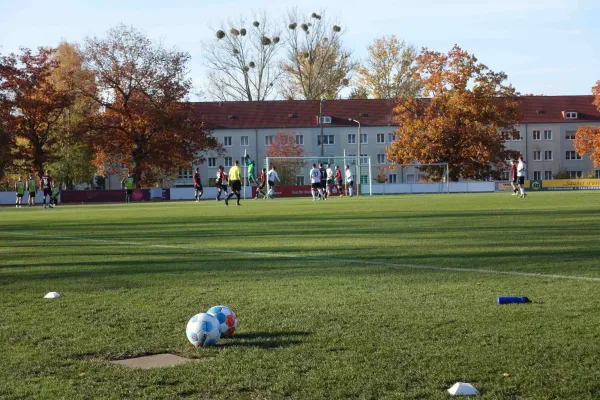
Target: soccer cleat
(514,194)
(238,204)
(226,202)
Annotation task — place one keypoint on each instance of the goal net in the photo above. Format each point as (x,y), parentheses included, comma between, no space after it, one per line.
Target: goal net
(294,171)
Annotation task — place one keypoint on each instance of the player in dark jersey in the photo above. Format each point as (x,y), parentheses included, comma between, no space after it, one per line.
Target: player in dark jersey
(323,173)
(46,184)
(338,180)
(513,177)
(262,181)
(197,185)
(221,182)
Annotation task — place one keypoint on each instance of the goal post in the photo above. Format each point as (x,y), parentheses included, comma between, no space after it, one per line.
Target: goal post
(294,171)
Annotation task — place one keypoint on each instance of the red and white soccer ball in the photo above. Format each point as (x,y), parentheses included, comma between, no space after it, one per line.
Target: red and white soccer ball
(227,320)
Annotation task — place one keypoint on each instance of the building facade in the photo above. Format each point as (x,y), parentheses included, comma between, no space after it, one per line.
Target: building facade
(545,134)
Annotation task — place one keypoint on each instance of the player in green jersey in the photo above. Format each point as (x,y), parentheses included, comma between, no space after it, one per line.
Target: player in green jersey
(127,183)
(31,189)
(20,191)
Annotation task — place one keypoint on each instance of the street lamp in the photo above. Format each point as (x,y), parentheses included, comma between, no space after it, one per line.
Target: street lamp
(359,158)
(321,121)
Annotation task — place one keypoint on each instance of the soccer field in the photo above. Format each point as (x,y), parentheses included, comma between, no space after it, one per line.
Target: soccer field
(388,297)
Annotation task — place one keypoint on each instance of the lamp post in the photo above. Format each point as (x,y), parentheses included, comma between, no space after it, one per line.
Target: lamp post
(321,122)
(359,158)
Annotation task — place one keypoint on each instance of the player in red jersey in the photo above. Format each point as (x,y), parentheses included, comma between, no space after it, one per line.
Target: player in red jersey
(339,180)
(513,176)
(221,182)
(197,185)
(262,182)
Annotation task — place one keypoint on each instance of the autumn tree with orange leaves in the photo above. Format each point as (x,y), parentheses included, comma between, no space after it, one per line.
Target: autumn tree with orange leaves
(284,145)
(32,106)
(459,122)
(587,138)
(147,124)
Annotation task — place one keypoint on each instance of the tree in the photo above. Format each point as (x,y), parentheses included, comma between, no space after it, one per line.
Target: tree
(359,92)
(243,60)
(146,124)
(459,123)
(587,138)
(389,69)
(317,64)
(284,145)
(33,105)
(7,144)
(74,153)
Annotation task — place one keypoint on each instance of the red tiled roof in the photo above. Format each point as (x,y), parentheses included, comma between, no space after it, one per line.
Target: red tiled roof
(304,113)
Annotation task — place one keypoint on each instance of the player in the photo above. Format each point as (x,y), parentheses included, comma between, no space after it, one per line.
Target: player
(46,185)
(338,180)
(31,189)
(54,197)
(221,182)
(20,191)
(271,176)
(251,165)
(235,183)
(329,173)
(197,185)
(315,182)
(349,181)
(322,193)
(262,182)
(521,168)
(127,184)
(513,177)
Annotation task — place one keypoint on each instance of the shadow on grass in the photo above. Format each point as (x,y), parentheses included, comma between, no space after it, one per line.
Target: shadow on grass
(265,340)
(269,335)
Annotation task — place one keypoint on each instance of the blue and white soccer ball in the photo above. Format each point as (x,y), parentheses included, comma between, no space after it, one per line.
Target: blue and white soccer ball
(203,330)
(227,320)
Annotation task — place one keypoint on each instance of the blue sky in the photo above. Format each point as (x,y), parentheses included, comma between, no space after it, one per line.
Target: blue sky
(549,47)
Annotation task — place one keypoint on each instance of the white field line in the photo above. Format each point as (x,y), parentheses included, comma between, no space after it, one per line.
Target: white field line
(317,258)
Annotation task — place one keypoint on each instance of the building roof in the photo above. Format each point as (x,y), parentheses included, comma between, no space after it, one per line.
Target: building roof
(373,112)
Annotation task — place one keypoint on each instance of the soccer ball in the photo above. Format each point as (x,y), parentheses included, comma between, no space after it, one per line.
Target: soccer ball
(203,330)
(227,319)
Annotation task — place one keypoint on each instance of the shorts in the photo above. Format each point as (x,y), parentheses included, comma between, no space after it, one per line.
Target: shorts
(315,185)
(31,194)
(339,182)
(198,187)
(236,186)
(323,184)
(129,191)
(521,180)
(20,195)
(329,182)
(47,192)
(271,184)
(251,177)
(350,183)
(224,188)
(262,185)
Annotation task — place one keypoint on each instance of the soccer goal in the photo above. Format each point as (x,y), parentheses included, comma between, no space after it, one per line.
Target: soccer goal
(294,171)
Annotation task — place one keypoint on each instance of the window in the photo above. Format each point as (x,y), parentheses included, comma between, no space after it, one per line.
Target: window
(364,179)
(548,155)
(212,162)
(364,138)
(380,138)
(570,135)
(598,174)
(327,140)
(391,137)
(300,140)
(516,137)
(352,138)
(570,115)
(410,178)
(227,141)
(392,178)
(572,155)
(537,135)
(537,175)
(537,155)
(547,175)
(300,180)
(575,174)
(352,160)
(547,135)
(184,173)
(244,141)
(380,158)
(268,140)
(364,159)
(228,162)
(506,136)
(325,120)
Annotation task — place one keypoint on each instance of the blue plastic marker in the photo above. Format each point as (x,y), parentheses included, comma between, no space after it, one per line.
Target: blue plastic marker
(512,299)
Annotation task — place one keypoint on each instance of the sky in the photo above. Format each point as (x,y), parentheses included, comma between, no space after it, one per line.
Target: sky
(548,47)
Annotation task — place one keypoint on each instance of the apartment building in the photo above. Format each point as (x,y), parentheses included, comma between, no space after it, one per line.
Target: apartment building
(545,133)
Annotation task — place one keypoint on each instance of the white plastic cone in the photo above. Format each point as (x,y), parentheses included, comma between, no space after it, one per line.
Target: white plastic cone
(463,389)
(52,295)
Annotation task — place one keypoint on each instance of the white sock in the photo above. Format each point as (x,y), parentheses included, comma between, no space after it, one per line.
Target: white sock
(522,191)
(320,193)
(351,191)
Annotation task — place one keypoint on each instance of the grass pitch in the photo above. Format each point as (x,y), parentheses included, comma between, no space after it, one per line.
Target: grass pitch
(372,298)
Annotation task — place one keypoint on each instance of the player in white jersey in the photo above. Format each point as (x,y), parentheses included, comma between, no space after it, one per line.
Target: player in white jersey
(330,177)
(521,168)
(349,181)
(271,177)
(315,182)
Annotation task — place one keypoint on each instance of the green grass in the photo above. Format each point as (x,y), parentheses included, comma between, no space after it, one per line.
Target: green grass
(318,318)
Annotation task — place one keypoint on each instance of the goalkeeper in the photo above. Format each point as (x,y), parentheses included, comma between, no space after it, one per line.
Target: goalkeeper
(250,163)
